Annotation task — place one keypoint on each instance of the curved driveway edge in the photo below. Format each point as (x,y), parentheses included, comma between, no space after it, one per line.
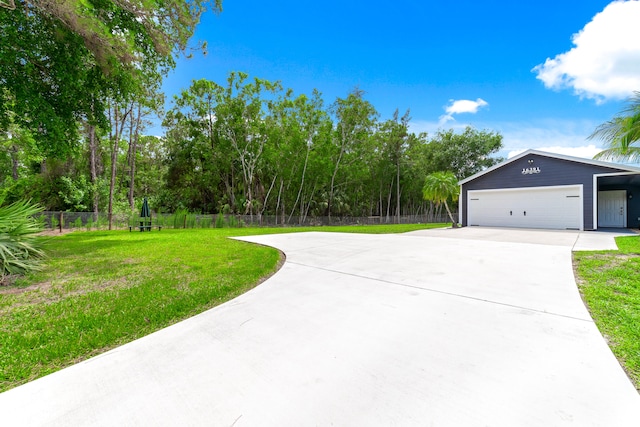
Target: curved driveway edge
(426,328)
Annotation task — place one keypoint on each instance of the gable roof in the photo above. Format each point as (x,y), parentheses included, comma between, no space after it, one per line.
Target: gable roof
(622,168)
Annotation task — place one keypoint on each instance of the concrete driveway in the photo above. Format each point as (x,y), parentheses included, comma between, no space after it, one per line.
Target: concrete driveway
(470,327)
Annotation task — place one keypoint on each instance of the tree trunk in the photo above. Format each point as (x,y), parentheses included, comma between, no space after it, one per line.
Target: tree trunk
(134,133)
(279,198)
(115,134)
(112,182)
(398,190)
(266,198)
(389,201)
(304,170)
(93,169)
(454,223)
(14,162)
(380,202)
(333,179)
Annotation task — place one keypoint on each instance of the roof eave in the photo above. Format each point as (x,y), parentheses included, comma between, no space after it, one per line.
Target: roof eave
(555,156)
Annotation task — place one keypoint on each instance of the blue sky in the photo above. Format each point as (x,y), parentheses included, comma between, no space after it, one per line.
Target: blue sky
(544,73)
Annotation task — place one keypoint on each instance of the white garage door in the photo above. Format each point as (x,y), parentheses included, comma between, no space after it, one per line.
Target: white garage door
(536,207)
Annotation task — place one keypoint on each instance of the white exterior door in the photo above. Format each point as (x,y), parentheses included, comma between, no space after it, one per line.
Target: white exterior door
(558,207)
(612,208)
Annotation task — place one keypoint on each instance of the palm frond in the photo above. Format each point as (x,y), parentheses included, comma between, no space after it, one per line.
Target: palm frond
(631,154)
(621,134)
(440,186)
(20,250)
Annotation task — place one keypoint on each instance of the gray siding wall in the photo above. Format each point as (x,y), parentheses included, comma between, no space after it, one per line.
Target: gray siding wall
(552,172)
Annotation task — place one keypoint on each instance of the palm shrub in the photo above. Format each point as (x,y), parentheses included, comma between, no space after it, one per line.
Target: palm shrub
(20,249)
(440,187)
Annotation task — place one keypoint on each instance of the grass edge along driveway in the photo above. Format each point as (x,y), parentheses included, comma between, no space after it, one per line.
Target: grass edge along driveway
(103,289)
(609,282)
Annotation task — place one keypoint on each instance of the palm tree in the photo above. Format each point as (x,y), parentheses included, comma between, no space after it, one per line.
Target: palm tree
(621,134)
(20,250)
(439,187)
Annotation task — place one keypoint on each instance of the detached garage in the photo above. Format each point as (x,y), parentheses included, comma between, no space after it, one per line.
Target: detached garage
(543,190)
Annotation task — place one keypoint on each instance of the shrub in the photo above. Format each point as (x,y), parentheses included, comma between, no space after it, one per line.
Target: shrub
(20,250)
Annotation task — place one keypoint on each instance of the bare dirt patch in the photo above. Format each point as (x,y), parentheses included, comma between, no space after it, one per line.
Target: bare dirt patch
(14,290)
(50,233)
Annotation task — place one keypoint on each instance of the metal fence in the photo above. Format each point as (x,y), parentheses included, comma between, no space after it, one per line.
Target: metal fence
(90,221)
(82,220)
(273,220)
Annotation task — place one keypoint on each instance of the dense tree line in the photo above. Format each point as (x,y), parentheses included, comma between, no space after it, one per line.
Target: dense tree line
(251,147)
(247,146)
(80,81)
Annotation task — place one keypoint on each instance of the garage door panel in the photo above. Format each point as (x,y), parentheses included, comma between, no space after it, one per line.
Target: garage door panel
(539,207)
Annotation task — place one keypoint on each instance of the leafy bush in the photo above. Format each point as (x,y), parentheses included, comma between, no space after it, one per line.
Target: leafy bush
(76,193)
(20,250)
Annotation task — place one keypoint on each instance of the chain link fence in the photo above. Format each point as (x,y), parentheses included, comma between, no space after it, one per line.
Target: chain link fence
(56,220)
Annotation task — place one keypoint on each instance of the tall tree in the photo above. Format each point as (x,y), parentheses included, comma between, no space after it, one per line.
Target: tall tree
(61,60)
(295,126)
(393,134)
(463,153)
(118,117)
(621,134)
(199,160)
(93,144)
(356,118)
(144,106)
(240,118)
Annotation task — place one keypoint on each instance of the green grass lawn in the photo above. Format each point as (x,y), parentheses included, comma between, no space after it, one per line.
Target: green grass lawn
(103,289)
(609,282)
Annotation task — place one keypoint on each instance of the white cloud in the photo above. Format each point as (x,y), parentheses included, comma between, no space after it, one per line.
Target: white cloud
(461,106)
(418,126)
(605,62)
(533,134)
(567,137)
(431,127)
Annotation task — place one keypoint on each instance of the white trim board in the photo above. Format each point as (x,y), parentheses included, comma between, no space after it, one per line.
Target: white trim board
(624,169)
